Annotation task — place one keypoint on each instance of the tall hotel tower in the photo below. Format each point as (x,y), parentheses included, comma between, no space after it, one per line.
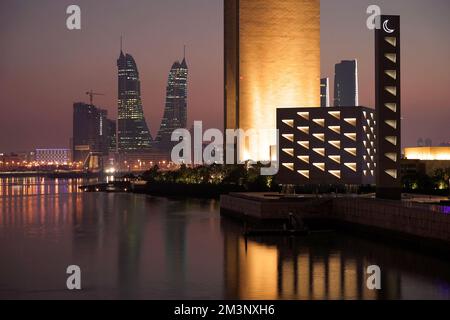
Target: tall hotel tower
(388,109)
(175,111)
(272,60)
(133,133)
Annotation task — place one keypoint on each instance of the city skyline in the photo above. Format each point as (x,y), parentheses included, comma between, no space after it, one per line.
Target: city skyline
(51,101)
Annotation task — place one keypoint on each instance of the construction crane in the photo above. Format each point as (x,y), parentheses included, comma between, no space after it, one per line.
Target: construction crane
(91,95)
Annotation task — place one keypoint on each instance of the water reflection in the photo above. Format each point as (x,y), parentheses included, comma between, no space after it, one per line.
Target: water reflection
(138,247)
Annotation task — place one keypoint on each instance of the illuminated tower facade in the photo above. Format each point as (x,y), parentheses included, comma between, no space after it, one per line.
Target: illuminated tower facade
(272,60)
(388,107)
(133,133)
(175,111)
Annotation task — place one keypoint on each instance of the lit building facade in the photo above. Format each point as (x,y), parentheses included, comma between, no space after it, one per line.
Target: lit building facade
(56,156)
(346,84)
(388,108)
(428,153)
(329,146)
(325,92)
(175,111)
(272,60)
(133,133)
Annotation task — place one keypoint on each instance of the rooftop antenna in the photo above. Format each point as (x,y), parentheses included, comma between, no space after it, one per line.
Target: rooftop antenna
(184,52)
(121,44)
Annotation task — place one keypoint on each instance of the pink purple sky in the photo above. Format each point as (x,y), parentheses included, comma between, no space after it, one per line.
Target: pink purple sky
(45,68)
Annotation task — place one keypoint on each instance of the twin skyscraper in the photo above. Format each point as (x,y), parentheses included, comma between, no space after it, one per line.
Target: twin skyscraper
(133,134)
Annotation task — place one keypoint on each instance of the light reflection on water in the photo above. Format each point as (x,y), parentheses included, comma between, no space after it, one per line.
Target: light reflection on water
(134,246)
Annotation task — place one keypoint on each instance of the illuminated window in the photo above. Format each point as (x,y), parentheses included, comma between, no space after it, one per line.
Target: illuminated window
(365,172)
(351,136)
(320,151)
(365,114)
(392,156)
(336,173)
(304,159)
(391,90)
(392,57)
(392,74)
(372,173)
(304,173)
(336,129)
(392,173)
(336,159)
(335,114)
(365,128)
(391,106)
(391,40)
(304,129)
(352,151)
(304,144)
(304,115)
(336,144)
(391,123)
(352,166)
(320,166)
(365,158)
(351,121)
(320,122)
(290,123)
(289,152)
(290,166)
(289,137)
(319,136)
(392,140)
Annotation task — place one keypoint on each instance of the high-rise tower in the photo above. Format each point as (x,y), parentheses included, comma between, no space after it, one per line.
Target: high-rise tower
(325,92)
(346,84)
(175,111)
(272,60)
(133,133)
(388,108)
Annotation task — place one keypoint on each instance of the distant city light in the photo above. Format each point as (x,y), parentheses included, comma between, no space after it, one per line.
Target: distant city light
(428,153)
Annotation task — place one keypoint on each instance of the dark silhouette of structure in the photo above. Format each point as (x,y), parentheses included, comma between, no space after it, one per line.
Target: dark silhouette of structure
(92,131)
(388,108)
(346,83)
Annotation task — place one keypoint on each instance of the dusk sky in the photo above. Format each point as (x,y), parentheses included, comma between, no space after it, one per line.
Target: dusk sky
(45,67)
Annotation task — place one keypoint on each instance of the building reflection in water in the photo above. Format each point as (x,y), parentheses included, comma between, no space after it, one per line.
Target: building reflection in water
(134,246)
(309,268)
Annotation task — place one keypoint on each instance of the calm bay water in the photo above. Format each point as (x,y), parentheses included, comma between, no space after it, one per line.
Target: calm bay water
(140,247)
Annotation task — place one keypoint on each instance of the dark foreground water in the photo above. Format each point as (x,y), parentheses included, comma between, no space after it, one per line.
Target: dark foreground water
(139,247)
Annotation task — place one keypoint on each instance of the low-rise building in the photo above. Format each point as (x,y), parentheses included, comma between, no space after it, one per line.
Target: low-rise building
(334,145)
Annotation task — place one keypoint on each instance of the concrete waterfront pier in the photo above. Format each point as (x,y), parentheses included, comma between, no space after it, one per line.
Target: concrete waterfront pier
(408,220)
